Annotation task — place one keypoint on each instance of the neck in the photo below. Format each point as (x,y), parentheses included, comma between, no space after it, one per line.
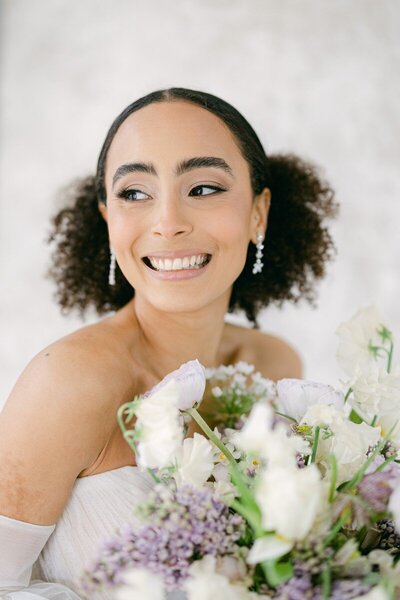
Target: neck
(167,340)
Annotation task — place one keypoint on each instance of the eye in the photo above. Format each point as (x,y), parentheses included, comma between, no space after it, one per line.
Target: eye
(214,189)
(131,195)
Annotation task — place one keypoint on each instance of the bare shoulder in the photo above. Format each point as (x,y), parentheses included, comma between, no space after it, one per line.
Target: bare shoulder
(273,356)
(87,362)
(56,421)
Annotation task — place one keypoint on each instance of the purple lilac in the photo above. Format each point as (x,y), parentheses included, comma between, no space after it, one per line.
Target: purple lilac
(180,527)
(301,588)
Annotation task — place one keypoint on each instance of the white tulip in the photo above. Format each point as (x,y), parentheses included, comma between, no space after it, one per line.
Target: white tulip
(191,380)
(296,395)
(141,583)
(354,338)
(257,428)
(277,445)
(349,443)
(268,548)
(289,499)
(390,426)
(194,461)
(161,434)
(204,583)
(377,593)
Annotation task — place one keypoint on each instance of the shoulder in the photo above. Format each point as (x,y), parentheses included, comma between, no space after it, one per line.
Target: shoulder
(56,421)
(87,360)
(273,356)
(76,379)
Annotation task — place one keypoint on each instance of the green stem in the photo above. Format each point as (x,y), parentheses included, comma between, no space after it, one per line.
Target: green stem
(237,477)
(337,527)
(386,462)
(326,582)
(390,356)
(332,487)
(284,415)
(248,514)
(207,430)
(348,393)
(315,444)
(374,420)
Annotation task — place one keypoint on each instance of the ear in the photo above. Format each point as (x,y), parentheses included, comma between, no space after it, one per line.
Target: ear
(103,209)
(259,216)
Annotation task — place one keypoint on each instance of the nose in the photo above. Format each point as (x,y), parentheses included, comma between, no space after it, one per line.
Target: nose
(170,219)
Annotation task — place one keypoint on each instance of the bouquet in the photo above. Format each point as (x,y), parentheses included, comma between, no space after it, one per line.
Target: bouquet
(294,494)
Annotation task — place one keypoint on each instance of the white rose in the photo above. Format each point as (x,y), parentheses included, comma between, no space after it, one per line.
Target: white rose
(141,583)
(354,338)
(296,395)
(194,461)
(161,434)
(289,499)
(349,442)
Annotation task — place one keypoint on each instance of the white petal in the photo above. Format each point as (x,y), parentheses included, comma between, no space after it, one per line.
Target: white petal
(195,462)
(296,395)
(140,583)
(268,548)
(192,381)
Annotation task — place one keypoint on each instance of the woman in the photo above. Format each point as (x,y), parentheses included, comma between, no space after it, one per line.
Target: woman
(169,234)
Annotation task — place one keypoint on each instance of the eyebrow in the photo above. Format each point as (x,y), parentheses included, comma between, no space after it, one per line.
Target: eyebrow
(189,164)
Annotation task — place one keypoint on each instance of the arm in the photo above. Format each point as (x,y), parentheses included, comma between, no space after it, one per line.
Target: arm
(48,434)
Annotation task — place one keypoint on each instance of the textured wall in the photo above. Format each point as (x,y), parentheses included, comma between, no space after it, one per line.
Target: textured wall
(316,77)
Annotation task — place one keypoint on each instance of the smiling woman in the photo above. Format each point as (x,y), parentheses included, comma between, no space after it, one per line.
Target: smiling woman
(186,219)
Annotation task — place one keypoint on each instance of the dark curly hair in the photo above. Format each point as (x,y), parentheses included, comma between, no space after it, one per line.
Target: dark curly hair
(297,243)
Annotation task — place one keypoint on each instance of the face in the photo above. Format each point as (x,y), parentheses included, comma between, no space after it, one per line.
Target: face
(180,227)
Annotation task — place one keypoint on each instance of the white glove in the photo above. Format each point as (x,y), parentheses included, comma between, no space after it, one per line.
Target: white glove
(20,546)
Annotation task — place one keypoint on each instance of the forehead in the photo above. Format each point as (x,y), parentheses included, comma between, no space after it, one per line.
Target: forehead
(166,132)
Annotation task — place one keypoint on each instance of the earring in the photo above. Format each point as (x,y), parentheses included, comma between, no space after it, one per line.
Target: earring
(111,273)
(258,265)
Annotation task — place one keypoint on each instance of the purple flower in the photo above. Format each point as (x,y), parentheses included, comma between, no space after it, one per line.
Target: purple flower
(376,489)
(180,527)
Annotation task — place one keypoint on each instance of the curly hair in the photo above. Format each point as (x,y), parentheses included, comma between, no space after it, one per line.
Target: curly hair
(296,247)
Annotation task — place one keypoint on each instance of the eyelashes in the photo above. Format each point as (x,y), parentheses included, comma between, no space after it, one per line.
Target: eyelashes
(130,194)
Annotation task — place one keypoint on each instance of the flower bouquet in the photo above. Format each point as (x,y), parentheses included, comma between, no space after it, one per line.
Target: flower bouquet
(295,494)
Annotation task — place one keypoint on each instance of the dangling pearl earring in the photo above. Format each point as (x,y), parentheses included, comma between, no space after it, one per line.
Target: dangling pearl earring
(111,273)
(258,265)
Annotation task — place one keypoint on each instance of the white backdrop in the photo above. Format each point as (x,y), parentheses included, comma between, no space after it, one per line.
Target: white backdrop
(315,77)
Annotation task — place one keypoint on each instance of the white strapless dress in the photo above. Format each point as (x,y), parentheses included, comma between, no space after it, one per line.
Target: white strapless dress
(98,506)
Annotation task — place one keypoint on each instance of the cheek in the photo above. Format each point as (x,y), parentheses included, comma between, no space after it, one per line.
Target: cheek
(124,228)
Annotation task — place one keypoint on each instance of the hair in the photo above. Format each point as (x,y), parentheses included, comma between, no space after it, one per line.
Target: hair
(296,247)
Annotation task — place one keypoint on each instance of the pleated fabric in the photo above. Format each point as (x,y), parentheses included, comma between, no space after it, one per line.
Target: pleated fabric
(98,506)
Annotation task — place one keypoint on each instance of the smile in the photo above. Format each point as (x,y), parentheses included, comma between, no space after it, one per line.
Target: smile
(186,263)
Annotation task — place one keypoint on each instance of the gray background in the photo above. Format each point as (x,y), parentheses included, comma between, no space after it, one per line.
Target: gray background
(317,77)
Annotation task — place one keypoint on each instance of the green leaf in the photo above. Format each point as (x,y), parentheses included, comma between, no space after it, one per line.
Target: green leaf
(355,417)
(277,572)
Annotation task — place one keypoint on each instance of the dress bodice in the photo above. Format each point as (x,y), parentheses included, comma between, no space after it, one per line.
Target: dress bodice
(99,504)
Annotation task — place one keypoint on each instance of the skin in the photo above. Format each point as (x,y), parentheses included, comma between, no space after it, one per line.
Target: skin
(167,218)
(67,397)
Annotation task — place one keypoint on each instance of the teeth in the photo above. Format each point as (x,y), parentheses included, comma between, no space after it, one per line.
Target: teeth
(177,264)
